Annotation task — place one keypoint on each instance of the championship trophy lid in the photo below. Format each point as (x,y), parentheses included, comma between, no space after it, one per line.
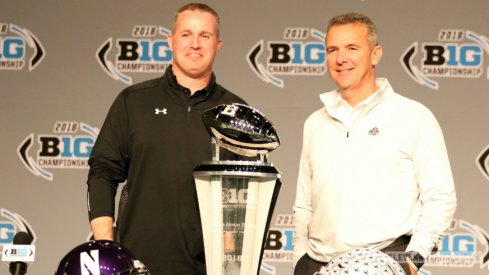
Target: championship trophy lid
(241,129)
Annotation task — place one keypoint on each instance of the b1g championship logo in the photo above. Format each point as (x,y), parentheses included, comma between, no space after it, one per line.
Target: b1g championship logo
(147,51)
(279,246)
(465,245)
(68,147)
(18,47)
(456,54)
(10,224)
(300,53)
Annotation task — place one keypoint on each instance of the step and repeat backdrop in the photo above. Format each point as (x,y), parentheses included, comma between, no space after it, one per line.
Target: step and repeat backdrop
(63,62)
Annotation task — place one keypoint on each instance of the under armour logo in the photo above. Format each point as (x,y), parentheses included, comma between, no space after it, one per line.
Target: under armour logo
(373,132)
(160,111)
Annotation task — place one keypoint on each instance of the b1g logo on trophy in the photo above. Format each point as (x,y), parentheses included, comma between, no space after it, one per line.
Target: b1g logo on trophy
(237,197)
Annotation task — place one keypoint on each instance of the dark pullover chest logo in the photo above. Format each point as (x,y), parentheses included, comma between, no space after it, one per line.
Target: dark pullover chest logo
(162,111)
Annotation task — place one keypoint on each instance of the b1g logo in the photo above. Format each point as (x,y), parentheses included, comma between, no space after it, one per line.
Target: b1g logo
(482,162)
(10,224)
(465,245)
(301,53)
(279,245)
(457,54)
(64,149)
(146,52)
(16,46)
(238,196)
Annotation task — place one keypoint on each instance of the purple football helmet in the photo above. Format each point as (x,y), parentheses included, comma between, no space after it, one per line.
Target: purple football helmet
(101,257)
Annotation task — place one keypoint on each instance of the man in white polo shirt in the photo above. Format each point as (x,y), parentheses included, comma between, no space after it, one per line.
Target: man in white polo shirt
(374,170)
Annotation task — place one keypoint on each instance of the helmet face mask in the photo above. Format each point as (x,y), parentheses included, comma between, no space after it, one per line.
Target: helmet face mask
(138,268)
(101,257)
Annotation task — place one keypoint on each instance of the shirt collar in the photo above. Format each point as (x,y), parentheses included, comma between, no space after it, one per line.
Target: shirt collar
(340,102)
(333,98)
(172,80)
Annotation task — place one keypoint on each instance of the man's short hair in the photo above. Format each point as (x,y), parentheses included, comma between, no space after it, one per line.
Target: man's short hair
(199,7)
(357,18)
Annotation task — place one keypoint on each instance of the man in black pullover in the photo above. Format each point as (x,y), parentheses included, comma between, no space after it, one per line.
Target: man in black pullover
(152,138)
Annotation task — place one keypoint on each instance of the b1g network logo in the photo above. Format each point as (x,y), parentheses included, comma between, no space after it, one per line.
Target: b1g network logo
(279,245)
(10,224)
(18,47)
(147,51)
(300,53)
(456,54)
(68,147)
(465,245)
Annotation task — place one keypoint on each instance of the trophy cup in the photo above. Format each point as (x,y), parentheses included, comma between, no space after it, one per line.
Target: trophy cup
(237,197)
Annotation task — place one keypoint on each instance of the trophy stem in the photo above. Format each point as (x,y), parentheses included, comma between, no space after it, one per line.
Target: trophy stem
(214,149)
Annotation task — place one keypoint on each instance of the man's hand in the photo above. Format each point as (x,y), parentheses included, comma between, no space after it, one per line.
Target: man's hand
(102,228)
(412,270)
(415,261)
(229,242)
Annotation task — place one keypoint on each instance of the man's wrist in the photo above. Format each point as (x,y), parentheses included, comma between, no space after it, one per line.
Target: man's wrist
(414,259)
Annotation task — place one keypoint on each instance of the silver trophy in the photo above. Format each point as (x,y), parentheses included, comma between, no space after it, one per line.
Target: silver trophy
(237,197)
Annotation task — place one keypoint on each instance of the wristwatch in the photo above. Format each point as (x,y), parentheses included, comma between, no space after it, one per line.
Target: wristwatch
(415,258)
